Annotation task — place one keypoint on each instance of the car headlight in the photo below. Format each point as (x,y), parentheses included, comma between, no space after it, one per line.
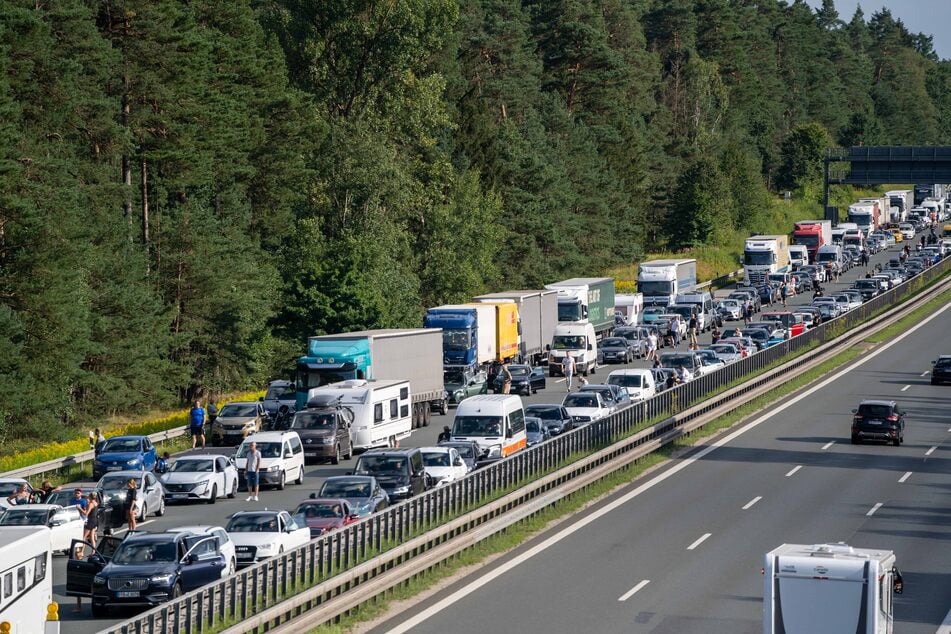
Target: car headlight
(132,462)
(328,440)
(201,487)
(162,580)
(401,490)
(270,546)
(495,451)
(273,468)
(99,580)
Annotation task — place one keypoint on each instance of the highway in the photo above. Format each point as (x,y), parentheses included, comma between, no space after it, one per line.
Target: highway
(82,623)
(681,551)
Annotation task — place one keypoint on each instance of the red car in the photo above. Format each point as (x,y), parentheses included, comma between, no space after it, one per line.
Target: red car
(323,515)
(790,321)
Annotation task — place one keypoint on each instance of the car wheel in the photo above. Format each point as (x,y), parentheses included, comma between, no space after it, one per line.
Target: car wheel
(300,476)
(161,508)
(234,489)
(176,592)
(214,494)
(444,409)
(336,456)
(896,442)
(282,482)
(99,611)
(855,440)
(348,455)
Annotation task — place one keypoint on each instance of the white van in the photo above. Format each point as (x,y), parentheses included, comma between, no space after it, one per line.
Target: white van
(639,383)
(578,340)
(496,422)
(282,458)
(381,410)
(703,300)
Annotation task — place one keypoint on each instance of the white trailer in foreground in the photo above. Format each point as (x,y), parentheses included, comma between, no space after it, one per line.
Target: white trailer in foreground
(829,589)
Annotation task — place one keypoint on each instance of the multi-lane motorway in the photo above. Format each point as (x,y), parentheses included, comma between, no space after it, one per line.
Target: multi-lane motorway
(640,528)
(681,552)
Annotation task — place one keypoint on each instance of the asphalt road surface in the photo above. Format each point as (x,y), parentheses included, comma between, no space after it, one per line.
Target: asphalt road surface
(681,551)
(180,515)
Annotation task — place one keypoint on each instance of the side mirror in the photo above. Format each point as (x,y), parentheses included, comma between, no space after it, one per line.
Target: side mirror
(260,398)
(855,411)
(590,347)
(57,521)
(898,584)
(189,560)
(313,496)
(288,454)
(354,516)
(508,433)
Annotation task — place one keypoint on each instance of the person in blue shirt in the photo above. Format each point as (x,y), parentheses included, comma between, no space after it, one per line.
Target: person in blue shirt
(79,500)
(161,465)
(196,424)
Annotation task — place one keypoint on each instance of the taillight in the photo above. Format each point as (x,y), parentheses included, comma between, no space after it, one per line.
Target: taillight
(892,418)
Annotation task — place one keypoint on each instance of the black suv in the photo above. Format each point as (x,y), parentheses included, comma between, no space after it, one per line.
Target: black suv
(941,370)
(324,429)
(399,471)
(144,569)
(878,420)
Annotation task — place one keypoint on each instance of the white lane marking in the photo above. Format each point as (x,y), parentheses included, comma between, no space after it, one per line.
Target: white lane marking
(702,539)
(925,373)
(750,504)
(905,388)
(828,444)
(877,506)
(630,593)
(945,627)
(518,560)
(794,470)
(931,451)
(904,477)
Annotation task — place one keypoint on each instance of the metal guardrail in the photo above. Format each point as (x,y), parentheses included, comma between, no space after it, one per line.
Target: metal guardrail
(399,530)
(78,459)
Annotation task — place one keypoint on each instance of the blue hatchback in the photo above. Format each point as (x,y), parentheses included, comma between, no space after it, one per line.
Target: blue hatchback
(123,453)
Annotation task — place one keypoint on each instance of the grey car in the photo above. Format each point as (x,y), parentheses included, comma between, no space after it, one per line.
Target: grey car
(363,493)
(113,490)
(616,350)
(555,417)
(468,450)
(615,397)
(535,431)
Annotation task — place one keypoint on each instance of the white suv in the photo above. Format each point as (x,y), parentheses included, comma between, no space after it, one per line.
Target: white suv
(282,458)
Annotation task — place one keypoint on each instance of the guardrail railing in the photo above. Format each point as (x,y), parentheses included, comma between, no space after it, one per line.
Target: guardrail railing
(240,596)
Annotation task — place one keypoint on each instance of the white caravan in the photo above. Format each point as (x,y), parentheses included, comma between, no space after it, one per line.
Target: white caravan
(381,410)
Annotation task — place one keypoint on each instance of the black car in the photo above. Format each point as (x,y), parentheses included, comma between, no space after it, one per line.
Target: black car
(616,350)
(941,370)
(526,380)
(144,569)
(868,288)
(878,420)
(759,336)
(554,417)
(399,471)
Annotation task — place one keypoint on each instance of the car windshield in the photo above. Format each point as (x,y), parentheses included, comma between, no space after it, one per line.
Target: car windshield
(477,426)
(113,484)
(674,360)
(456,377)
(654,310)
(614,342)
(519,370)
(532,426)
(145,552)
(236,410)
(465,450)
(267,449)
(313,420)
(709,355)
(757,257)
(625,380)
(757,334)
(723,348)
(544,411)
(192,466)
(253,523)
(9,488)
(319,509)
(122,444)
(24,517)
(345,489)
(579,399)
(649,287)
(280,393)
(436,458)
(569,342)
(380,464)
(875,411)
(456,339)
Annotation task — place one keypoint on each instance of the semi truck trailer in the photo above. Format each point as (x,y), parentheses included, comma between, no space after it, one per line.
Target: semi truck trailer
(476,335)
(763,255)
(660,281)
(537,317)
(812,234)
(586,300)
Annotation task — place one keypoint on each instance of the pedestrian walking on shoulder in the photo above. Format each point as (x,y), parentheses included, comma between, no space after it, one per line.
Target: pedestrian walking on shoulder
(568,367)
(196,424)
(251,472)
(692,331)
(131,503)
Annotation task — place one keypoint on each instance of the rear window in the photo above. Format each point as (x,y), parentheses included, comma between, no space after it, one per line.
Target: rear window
(875,411)
(943,363)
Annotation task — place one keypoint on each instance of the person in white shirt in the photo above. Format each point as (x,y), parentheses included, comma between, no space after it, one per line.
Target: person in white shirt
(568,367)
(651,346)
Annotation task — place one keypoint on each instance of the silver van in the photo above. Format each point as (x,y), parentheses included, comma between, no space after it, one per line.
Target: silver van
(703,300)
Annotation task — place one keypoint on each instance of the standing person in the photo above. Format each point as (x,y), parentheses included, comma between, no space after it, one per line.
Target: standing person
(252,467)
(20,496)
(91,514)
(212,412)
(79,500)
(506,378)
(568,367)
(46,489)
(692,331)
(131,503)
(865,257)
(98,437)
(715,333)
(196,424)
(675,330)
(651,346)
(747,312)
(783,293)
(445,435)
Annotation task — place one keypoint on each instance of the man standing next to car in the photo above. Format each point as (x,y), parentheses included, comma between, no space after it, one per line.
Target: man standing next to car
(252,467)
(196,424)
(506,377)
(568,367)
(692,331)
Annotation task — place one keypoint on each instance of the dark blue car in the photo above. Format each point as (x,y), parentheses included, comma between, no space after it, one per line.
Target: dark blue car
(123,453)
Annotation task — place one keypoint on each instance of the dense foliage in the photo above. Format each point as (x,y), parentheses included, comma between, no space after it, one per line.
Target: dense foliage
(188,189)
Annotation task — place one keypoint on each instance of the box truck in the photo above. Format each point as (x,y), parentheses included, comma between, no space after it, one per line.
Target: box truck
(415,355)
(476,335)
(763,255)
(900,202)
(660,281)
(537,317)
(586,300)
(867,214)
(829,589)
(812,234)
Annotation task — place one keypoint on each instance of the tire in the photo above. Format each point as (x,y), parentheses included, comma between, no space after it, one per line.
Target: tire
(234,490)
(896,442)
(232,568)
(300,476)
(99,611)
(444,408)
(214,494)
(144,513)
(855,440)
(427,413)
(161,509)
(336,457)
(346,456)
(283,482)
(176,592)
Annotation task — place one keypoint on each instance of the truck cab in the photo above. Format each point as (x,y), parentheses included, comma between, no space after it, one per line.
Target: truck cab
(798,255)
(578,340)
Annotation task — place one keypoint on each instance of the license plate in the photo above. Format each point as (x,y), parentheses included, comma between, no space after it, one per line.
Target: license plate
(113,468)
(175,496)
(874,422)
(127,594)
(310,453)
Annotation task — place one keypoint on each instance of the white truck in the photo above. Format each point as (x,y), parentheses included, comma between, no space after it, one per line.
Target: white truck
(578,340)
(900,202)
(660,281)
(586,300)
(867,214)
(798,255)
(829,589)
(381,410)
(627,308)
(763,255)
